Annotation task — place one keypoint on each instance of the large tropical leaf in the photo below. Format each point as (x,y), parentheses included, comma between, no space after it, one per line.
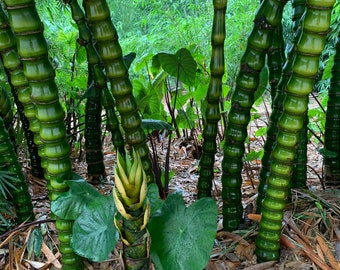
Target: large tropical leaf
(182,238)
(152,124)
(128,59)
(94,236)
(180,65)
(154,199)
(150,103)
(71,204)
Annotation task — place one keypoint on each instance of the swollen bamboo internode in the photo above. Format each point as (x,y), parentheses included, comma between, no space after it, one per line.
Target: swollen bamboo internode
(53,147)
(315,26)
(277,106)
(9,163)
(213,98)
(110,51)
(93,106)
(332,127)
(267,19)
(20,90)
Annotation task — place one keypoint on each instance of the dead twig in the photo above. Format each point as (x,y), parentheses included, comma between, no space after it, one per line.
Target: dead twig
(25,225)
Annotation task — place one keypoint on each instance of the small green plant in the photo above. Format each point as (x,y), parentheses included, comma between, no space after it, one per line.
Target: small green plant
(181,237)
(94,235)
(323,214)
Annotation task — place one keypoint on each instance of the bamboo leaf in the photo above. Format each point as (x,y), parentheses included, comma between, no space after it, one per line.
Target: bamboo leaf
(182,238)
(94,235)
(180,65)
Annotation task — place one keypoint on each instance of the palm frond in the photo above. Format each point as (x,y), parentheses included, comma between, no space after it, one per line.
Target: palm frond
(6,214)
(6,183)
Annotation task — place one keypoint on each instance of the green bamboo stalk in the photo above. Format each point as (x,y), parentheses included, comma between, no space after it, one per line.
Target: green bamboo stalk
(54,148)
(93,106)
(267,19)
(105,34)
(93,134)
(299,175)
(20,90)
(112,122)
(300,84)
(277,106)
(332,125)
(299,8)
(275,60)
(129,195)
(6,113)
(9,162)
(213,99)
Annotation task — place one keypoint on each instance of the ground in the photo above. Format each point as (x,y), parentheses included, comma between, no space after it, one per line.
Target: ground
(310,230)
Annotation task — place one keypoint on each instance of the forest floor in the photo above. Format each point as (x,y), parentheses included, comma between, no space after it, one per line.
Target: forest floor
(311,232)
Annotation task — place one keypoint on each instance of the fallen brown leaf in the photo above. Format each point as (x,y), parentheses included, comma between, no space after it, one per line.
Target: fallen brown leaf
(327,252)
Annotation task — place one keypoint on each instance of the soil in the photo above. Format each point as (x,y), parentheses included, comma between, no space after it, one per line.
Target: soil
(309,234)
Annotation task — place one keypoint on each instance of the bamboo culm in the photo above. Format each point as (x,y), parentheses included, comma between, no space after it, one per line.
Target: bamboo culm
(267,19)
(9,163)
(315,27)
(6,113)
(53,146)
(110,51)
(332,126)
(277,106)
(20,90)
(212,114)
(275,60)
(93,106)
(299,176)
(112,122)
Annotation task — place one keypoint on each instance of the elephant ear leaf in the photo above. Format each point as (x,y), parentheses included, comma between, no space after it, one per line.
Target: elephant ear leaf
(128,59)
(71,204)
(180,65)
(183,237)
(94,236)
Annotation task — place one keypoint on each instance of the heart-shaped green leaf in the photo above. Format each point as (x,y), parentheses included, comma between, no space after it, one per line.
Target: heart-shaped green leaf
(128,59)
(94,236)
(180,65)
(182,238)
(71,204)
